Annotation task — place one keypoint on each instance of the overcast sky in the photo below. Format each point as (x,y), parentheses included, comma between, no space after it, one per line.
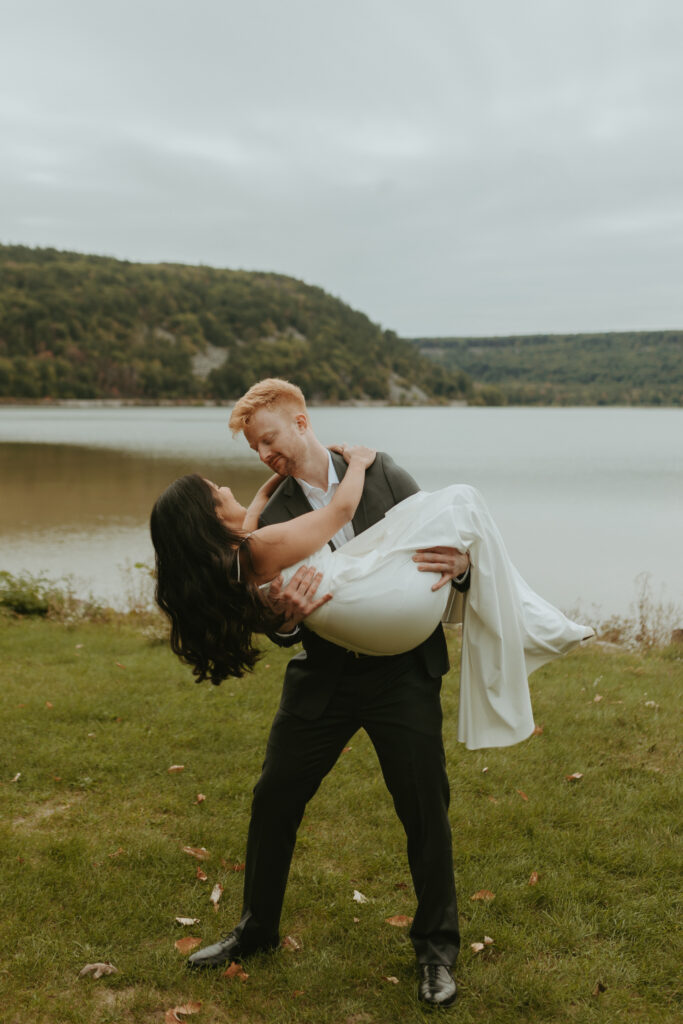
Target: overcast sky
(446,166)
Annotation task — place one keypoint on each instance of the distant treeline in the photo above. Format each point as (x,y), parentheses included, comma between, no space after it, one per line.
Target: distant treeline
(84,327)
(621,368)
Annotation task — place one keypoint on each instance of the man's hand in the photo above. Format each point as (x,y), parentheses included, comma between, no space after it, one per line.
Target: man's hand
(298,599)
(450,562)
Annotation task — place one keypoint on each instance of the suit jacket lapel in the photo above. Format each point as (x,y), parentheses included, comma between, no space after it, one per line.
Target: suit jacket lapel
(293,498)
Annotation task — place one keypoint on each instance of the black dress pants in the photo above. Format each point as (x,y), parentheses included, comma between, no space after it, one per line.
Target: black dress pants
(398,705)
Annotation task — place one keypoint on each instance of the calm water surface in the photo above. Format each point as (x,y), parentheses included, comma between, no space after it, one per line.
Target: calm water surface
(586,498)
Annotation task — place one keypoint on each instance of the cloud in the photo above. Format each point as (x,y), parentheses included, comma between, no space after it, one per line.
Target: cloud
(446,167)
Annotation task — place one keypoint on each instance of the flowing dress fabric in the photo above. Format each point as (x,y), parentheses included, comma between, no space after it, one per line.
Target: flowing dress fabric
(382,605)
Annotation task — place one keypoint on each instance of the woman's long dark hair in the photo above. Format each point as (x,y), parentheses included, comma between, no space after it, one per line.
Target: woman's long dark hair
(212,615)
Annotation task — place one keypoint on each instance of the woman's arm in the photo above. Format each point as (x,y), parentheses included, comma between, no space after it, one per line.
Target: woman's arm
(259,502)
(273,548)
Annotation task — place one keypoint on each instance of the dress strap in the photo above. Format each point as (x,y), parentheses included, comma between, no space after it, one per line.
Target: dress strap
(237,557)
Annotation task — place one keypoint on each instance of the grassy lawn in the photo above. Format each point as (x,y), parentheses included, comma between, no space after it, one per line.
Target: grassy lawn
(93,830)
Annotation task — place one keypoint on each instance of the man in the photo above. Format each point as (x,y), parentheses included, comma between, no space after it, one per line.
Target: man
(329,693)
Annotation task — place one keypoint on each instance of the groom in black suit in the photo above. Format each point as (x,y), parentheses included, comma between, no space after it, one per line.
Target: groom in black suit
(329,693)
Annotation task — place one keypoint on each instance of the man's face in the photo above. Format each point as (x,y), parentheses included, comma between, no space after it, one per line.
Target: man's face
(278,435)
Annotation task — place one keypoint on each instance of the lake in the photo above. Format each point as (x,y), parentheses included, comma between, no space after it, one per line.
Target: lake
(587,499)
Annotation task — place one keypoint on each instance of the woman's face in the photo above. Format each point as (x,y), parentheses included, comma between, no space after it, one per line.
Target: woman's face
(228,508)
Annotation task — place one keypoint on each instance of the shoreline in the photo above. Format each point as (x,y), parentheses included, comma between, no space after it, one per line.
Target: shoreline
(349,403)
(227,403)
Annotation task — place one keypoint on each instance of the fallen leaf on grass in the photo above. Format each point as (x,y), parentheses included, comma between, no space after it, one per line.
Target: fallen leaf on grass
(232,867)
(176,768)
(484,771)
(488,941)
(493,799)
(477,947)
(356,920)
(651,704)
(187,944)
(116,853)
(202,875)
(172,1016)
(187,920)
(200,798)
(119,665)
(216,894)
(78,646)
(538,730)
(401,885)
(297,992)
(574,777)
(484,894)
(200,852)
(236,971)
(597,698)
(599,987)
(97,970)
(399,920)
(390,978)
(16,777)
(533,878)
(290,943)
(523,795)
(345,750)
(359,897)
(49,704)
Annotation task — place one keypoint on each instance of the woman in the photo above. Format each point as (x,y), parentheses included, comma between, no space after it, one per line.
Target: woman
(213,564)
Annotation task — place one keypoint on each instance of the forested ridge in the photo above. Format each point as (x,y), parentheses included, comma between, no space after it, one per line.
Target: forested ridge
(76,326)
(616,368)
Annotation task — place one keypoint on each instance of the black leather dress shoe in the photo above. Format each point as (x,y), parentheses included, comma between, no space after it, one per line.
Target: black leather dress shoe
(221,952)
(225,951)
(436,987)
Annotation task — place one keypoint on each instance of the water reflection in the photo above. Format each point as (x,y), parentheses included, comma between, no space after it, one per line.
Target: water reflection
(587,499)
(83,513)
(79,489)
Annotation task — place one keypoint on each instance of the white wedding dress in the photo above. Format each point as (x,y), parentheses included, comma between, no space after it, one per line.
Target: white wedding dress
(382,605)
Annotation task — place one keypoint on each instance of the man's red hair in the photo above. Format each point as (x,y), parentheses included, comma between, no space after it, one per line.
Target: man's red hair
(263,395)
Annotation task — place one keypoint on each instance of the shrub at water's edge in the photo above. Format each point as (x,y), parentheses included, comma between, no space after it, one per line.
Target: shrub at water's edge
(651,623)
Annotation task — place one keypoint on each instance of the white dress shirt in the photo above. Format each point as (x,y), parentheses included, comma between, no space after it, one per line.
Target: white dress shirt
(317,498)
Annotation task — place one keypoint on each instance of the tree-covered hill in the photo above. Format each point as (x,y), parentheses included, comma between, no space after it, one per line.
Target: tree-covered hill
(625,368)
(79,326)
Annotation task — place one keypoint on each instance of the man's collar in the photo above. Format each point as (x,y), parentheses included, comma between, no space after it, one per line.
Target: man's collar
(332,477)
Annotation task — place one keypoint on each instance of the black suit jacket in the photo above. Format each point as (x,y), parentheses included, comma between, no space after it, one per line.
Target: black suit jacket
(312,674)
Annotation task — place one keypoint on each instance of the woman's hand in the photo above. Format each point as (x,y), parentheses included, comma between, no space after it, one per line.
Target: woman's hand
(357,453)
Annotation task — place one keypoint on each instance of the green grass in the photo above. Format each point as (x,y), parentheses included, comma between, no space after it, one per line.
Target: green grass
(604,908)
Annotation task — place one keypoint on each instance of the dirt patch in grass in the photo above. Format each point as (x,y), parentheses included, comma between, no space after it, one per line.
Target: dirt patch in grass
(46,811)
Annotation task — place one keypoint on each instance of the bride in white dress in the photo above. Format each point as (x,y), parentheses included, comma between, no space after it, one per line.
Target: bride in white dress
(381,605)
